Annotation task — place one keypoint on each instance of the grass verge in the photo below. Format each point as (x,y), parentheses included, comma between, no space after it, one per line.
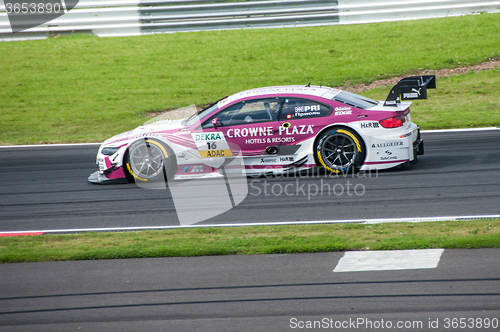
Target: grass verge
(251,240)
(82,88)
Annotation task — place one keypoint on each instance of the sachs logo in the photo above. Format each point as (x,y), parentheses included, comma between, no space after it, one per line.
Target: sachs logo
(27,14)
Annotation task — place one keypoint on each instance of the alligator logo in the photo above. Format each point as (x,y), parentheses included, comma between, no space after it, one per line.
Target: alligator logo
(27,14)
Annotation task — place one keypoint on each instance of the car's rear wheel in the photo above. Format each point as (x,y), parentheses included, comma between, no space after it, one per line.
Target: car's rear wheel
(340,150)
(148,160)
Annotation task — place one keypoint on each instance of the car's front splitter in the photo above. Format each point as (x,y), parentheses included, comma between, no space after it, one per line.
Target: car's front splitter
(98,178)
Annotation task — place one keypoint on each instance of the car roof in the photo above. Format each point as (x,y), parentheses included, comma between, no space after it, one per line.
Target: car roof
(316,91)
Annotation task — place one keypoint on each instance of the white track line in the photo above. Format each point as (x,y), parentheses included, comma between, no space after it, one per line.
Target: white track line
(389,260)
(359,221)
(458,130)
(47,145)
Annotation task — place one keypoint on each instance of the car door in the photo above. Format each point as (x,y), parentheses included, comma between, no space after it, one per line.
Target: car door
(301,119)
(248,126)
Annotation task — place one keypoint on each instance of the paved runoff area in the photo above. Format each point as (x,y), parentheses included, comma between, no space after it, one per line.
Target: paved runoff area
(407,290)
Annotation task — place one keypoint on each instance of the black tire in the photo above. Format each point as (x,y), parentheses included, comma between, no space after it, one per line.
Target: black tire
(148,160)
(340,150)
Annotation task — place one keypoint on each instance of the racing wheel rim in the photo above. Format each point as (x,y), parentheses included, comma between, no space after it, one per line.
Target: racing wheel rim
(339,151)
(146,160)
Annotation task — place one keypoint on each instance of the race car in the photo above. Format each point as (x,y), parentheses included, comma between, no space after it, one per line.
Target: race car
(273,130)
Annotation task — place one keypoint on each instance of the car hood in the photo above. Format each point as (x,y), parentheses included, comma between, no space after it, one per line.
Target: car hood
(159,126)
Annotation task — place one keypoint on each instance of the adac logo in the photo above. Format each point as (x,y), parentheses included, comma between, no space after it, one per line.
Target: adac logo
(27,14)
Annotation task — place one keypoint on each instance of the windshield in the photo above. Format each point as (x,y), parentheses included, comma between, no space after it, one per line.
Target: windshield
(355,100)
(197,117)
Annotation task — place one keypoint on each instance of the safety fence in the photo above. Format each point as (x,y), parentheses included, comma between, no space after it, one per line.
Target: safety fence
(134,17)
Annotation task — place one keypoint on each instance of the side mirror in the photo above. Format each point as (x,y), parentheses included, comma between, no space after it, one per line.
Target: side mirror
(215,122)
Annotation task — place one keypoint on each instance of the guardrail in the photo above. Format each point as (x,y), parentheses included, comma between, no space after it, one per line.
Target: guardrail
(136,17)
(369,11)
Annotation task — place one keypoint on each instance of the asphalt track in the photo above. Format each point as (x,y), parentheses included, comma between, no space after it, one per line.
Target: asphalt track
(43,188)
(46,188)
(250,293)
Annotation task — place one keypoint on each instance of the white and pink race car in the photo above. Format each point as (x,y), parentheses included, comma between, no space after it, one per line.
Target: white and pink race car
(272,130)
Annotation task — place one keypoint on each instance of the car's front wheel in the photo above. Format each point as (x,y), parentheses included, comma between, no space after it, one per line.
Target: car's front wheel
(340,150)
(148,160)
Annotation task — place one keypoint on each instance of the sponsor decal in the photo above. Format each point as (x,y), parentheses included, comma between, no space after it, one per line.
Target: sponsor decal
(256,141)
(386,145)
(267,131)
(343,110)
(312,110)
(297,130)
(215,136)
(408,134)
(146,135)
(212,144)
(287,159)
(181,132)
(282,140)
(267,160)
(388,156)
(245,132)
(411,95)
(216,153)
(270,140)
(192,169)
(299,115)
(367,125)
(223,102)
(102,165)
(263,91)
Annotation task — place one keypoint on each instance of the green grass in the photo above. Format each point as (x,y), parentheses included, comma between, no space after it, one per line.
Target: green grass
(252,240)
(82,88)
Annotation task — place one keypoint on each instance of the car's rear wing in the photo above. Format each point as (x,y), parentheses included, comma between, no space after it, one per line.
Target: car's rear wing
(409,88)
